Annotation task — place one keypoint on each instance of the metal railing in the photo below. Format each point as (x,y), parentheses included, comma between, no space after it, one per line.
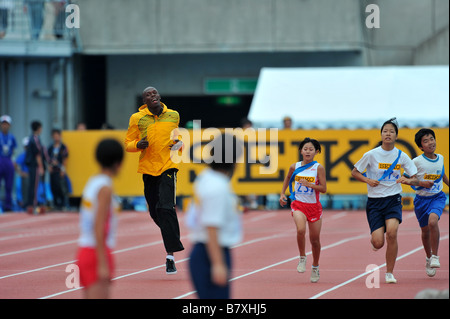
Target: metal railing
(35,20)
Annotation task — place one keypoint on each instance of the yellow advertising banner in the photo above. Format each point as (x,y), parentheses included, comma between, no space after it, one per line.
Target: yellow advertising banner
(266,160)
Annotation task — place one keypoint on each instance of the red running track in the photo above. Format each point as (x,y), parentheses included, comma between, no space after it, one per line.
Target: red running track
(35,251)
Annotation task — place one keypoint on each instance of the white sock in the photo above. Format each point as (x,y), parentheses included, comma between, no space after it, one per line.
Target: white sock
(170,257)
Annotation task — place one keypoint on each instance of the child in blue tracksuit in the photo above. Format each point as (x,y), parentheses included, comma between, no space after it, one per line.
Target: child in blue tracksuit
(430,199)
(7,144)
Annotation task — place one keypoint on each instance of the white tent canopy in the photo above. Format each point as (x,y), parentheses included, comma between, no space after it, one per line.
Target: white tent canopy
(352,97)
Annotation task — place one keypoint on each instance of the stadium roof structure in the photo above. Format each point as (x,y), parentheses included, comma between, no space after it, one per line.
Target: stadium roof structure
(352,97)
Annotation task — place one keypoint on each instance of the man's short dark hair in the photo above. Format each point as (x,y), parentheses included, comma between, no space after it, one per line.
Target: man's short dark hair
(35,125)
(421,133)
(56,130)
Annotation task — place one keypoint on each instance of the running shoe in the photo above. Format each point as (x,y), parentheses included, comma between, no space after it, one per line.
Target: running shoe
(390,279)
(170,267)
(301,267)
(434,262)
(430,271)
(315,276)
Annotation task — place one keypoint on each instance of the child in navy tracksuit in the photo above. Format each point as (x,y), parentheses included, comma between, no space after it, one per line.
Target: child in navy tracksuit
(36,159)
(7,144)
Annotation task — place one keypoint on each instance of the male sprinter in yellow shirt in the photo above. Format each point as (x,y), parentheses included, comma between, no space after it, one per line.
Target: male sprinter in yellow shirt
(152,131)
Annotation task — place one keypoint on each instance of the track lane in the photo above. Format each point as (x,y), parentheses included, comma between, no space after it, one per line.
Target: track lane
(264,264)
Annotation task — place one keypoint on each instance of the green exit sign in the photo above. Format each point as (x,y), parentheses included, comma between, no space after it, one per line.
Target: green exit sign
(230,85)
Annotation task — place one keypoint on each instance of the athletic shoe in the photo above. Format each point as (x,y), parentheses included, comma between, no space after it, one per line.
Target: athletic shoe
(434,262)
(301,267)
(430,271)
(390,279)
(315,274)
(170,267)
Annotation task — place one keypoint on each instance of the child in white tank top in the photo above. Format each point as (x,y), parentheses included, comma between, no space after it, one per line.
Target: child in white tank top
(98,223)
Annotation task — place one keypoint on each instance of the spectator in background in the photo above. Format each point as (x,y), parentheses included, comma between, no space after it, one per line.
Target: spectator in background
(60,23)
(35,11)
(58,154)
(53,25)
(8,144)
(246,123)
(81,126)
(287,123)
(49,21)
(107,126)
(5,6)
(36,160)
(23,172)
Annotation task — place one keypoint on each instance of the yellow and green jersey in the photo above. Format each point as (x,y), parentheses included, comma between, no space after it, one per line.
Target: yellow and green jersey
(160,131)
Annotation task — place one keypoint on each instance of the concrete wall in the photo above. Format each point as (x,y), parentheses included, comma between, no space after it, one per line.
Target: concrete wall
(175,44)
(37,89)
(156,26)
(404,26)
(27,106)
(433,51)
(217,26)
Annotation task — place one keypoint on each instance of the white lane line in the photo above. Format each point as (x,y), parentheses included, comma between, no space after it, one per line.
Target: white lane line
(146,245)
(38,269)
(73,241)
(262,216)
(37,248)
(336,216)
(31,219)
(49,229)
(368,272)
(114,252)
(49,232)
(249,242)
(343,241)
(163,265)
(73,261)
(115,278)
(65,230)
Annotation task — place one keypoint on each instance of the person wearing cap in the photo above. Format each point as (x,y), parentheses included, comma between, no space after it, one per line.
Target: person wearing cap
(287,123)
(7,144)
